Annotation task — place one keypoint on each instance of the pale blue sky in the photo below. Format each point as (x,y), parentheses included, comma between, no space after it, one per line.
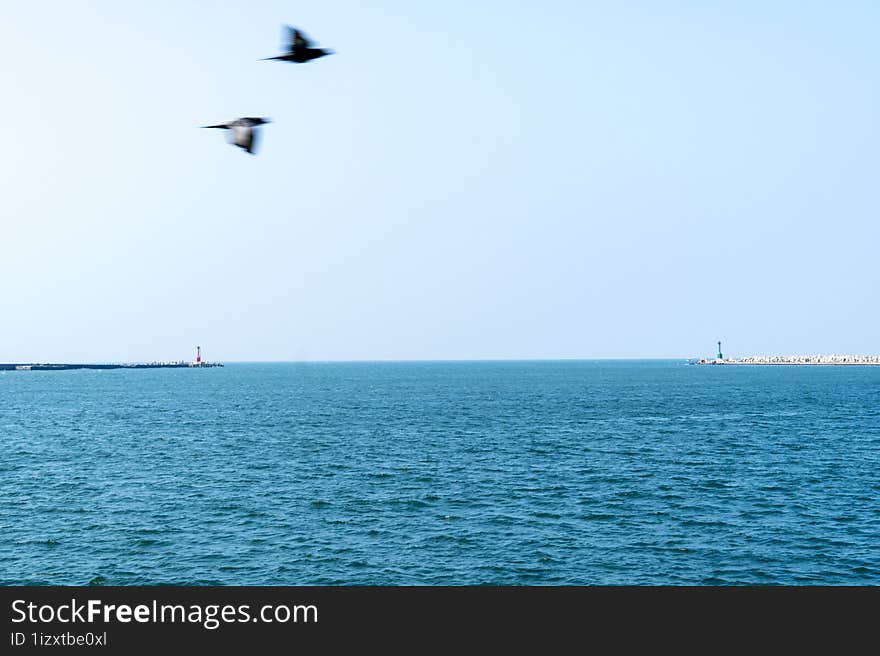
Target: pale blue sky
(462,180)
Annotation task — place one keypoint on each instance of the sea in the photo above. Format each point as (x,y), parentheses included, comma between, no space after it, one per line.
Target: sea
(442,473)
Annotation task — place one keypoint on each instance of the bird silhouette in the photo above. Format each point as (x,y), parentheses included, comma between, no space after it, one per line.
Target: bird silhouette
(300,48)
(244,131)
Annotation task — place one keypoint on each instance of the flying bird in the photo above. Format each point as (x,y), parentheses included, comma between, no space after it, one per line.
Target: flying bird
(300,48)
(244,131)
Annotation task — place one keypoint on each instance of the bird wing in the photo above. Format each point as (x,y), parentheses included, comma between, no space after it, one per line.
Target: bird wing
(298,39)
(244,137)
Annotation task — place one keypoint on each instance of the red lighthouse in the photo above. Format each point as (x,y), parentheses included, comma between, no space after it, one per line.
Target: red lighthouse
(198,354)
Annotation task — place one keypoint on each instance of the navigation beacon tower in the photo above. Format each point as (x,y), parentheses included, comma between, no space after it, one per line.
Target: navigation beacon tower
(720,357)
(199,353)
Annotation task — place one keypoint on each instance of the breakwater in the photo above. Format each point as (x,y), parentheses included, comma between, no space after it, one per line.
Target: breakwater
(46,366)
(797,360)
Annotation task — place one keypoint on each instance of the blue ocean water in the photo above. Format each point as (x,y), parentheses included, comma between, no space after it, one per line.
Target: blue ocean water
(628,472)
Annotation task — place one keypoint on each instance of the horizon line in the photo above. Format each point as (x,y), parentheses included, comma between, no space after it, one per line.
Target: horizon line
(364,360)
(404,360)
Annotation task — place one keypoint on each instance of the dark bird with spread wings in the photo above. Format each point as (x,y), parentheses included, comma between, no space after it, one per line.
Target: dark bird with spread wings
(244,131)
(300,48)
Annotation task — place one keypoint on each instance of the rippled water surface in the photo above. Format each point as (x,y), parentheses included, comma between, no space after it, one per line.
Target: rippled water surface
(441,473)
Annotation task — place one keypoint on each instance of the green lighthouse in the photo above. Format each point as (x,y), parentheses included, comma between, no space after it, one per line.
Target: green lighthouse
(720,357)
